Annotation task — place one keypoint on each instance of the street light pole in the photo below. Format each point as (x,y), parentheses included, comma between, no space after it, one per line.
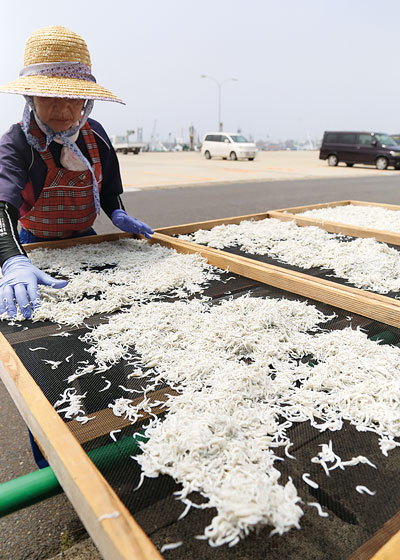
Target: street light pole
(219,85)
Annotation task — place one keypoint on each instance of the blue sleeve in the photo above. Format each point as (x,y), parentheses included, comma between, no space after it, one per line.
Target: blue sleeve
(15,159)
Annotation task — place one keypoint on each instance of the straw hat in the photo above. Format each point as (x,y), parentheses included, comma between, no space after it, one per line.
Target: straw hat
(57,64)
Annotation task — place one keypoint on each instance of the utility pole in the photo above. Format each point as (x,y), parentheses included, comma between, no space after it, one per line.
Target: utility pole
(219,84)
(191,136)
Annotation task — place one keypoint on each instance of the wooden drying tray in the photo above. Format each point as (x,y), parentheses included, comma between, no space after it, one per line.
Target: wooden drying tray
(90,494)
(374,306)
(289,214)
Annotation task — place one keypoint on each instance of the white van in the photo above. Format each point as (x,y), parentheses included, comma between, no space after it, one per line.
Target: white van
(227,145)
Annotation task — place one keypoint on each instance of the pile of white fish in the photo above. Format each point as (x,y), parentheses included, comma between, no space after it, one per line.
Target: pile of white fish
(375,217)
(138,272)
(365,263)
(238,370)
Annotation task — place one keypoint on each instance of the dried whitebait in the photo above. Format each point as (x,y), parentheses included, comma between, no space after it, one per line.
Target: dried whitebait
(126,389)
(237,367)
(84,419)
(137,271)
(112,434)
(107,386)
(307,480)
(365,263)
(52,363)
(326,455)
(170,546)
(112,515)
(317,505)
(375,217)
(387,443)
(356,461)
(73,401)
(365,490)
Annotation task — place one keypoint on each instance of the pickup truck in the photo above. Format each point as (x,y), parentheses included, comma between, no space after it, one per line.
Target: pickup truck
(122,144)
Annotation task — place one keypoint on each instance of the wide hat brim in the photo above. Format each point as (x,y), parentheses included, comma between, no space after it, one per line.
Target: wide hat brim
(54,86)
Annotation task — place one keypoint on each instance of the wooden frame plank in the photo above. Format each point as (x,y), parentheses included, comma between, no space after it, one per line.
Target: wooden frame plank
(337,227)
(383,545)
(296,209)
(380,204)
(71,242)
(118,538)
(390,550)
(209,224)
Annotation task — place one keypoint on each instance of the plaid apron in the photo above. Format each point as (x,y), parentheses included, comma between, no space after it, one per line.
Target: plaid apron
(65,207)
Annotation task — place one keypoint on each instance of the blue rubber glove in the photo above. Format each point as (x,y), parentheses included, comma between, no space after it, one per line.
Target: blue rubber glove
(126,223)
(20,285)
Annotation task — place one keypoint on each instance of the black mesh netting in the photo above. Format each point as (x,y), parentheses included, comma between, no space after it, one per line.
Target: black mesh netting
(317,272)
(353,518)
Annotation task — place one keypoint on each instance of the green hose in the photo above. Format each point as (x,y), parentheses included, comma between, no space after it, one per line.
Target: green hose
(39,485)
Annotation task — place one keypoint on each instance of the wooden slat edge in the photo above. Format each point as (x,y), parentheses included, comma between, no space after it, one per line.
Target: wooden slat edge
(337,227)
(295,209)
(383,545)
(390,550)
(379,308)
(380,204)
(209,224)
(71,242)
(118,538)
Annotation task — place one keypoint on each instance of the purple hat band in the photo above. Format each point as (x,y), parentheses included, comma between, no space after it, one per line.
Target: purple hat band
(76,70)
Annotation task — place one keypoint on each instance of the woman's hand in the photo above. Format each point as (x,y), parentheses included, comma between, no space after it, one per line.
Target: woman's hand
(19,285)
(128,224)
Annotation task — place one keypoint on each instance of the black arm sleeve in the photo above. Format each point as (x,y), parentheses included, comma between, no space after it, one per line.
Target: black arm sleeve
(9,238)
(111,202)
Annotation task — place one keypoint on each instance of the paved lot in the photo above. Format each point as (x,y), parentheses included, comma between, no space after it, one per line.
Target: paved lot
(36,533)
(172,169)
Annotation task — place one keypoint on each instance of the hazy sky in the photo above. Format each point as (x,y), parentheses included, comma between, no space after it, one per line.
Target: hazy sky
(303,66)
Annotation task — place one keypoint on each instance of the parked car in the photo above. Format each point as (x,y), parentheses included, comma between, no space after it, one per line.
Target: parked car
(228,145)
(369,148)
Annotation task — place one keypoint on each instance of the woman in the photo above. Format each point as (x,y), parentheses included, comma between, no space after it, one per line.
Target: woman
(57,166)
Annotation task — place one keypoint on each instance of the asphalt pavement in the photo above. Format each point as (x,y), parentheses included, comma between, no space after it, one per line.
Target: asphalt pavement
(44,530)
(164,207)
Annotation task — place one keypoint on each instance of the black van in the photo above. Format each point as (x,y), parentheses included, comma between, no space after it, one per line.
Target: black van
(369,148)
